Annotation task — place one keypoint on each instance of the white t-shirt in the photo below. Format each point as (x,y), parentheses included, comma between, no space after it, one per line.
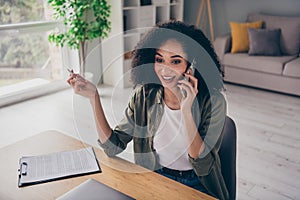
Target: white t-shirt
(170,141)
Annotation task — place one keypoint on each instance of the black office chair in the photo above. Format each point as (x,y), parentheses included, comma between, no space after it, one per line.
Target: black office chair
(227,155)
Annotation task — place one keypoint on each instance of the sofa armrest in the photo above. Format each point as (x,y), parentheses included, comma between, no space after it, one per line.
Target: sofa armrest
(222,45)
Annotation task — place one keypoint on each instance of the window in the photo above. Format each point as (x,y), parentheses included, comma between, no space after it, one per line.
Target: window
(27,60)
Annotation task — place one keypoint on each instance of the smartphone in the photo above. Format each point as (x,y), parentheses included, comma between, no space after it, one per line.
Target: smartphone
(191,70)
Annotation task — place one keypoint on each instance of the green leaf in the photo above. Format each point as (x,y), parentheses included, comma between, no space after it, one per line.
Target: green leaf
(84,20)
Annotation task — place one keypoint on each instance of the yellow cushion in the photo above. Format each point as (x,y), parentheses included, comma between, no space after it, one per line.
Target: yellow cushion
(239,34)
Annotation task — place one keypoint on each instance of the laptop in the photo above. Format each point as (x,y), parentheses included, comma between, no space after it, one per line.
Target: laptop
(94,190)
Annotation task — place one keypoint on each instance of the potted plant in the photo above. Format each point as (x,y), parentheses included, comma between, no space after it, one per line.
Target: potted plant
(84,20)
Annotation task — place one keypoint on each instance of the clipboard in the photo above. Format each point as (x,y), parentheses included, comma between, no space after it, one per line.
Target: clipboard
(55,166)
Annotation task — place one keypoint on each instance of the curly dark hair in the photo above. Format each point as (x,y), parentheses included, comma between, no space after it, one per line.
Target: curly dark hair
(197,46)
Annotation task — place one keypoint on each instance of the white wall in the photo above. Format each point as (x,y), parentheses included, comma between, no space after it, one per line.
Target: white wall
(225,11)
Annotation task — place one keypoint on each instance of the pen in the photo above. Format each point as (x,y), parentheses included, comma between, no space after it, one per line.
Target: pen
(70,71)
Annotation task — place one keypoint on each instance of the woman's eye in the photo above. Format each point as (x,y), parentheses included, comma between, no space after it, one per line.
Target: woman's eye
(158,60)
(176,62)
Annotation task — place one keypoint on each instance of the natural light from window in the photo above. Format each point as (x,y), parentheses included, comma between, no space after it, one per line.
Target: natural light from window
(27,59)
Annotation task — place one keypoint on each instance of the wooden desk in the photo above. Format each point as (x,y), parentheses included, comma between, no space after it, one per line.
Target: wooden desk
(147,185)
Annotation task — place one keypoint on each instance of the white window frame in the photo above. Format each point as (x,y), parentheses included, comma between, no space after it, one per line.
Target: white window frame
(26,93)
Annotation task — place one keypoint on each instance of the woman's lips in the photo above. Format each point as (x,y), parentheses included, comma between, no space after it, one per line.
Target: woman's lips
(168,79)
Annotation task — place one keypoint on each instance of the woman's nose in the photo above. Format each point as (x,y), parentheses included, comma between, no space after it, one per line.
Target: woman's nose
(167,70)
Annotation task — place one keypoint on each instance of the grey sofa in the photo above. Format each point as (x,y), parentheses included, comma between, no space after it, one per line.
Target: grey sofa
(277,73)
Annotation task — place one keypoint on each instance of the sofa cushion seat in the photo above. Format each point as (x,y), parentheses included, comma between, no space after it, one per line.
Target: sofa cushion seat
(269,64)
(292,68)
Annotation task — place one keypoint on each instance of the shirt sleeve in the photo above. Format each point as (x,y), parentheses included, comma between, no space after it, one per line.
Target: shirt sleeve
(207,166)
(212,123)
(122,134)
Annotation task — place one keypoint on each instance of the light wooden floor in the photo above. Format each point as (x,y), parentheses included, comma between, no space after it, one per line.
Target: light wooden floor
(268,127)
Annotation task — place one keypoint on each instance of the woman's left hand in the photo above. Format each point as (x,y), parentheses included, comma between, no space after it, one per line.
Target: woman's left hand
(190,85)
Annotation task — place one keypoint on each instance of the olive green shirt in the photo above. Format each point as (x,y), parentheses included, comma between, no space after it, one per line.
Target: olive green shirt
(142,119)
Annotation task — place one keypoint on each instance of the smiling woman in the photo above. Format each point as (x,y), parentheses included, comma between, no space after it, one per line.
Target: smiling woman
(175,135)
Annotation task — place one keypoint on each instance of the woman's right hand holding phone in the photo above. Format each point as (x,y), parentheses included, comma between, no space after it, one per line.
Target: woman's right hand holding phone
(190,85)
